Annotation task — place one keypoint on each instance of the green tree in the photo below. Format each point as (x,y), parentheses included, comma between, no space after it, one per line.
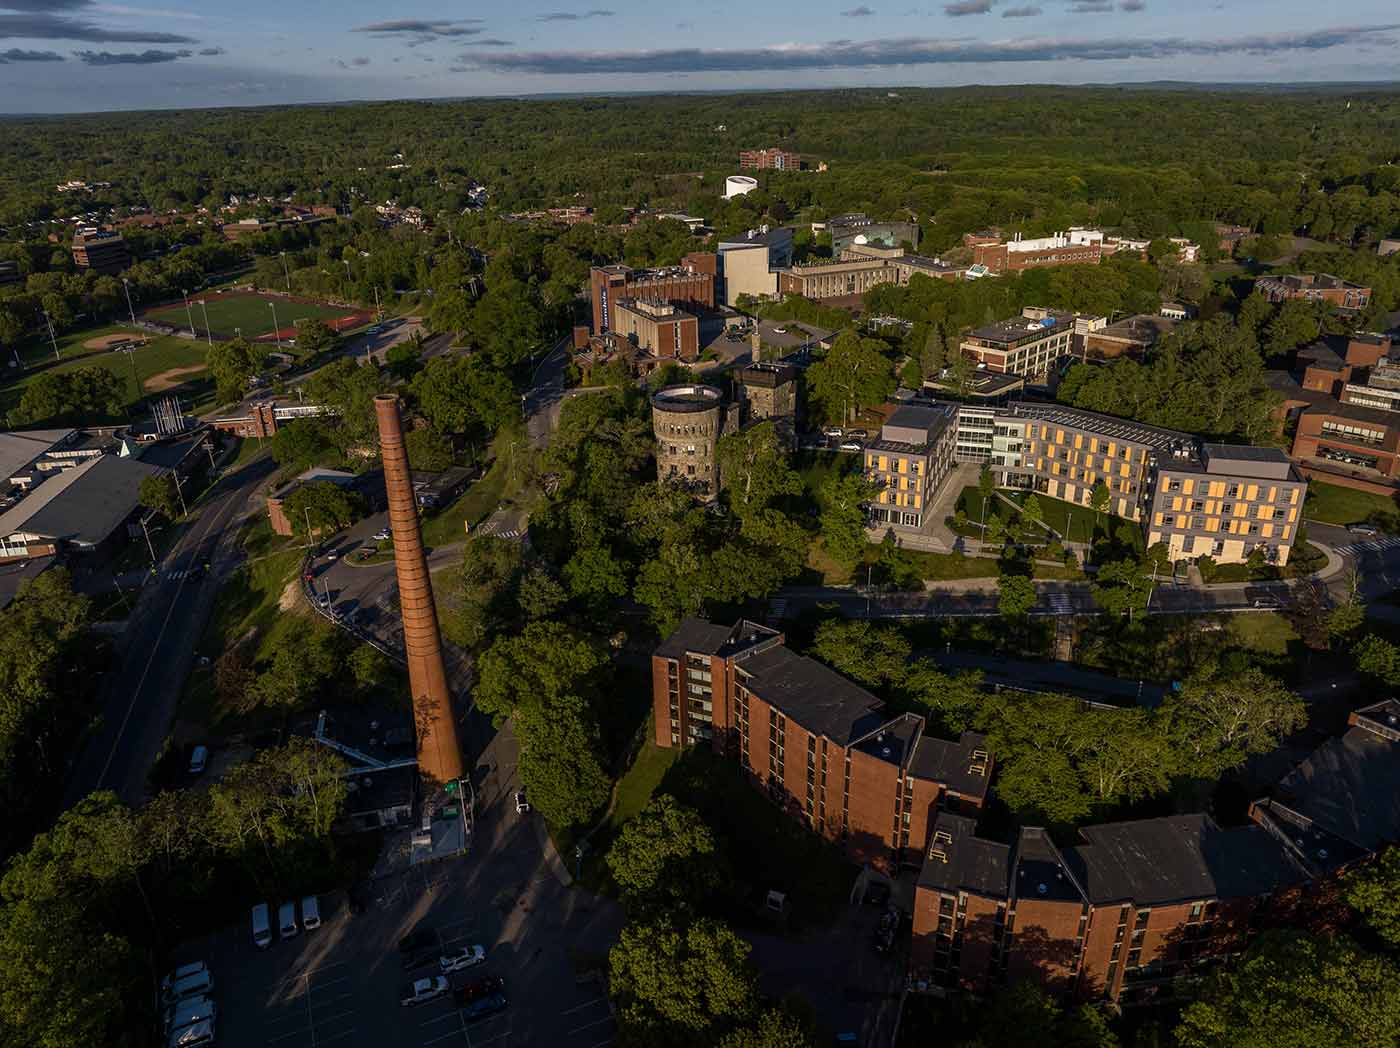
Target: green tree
(428,450)
(370,669)
(464,394)
(233,365)
(1294,989)
(1217,720)
(158,492)
(677,985)
(350,388)
(1100,498)
(315,337)
(404,359)
(665,854)
(595,576)
(865,651)
(544,661)
(842,499)
(323,507)
(754,470)
(303,442)
(775,1028)
(1031,510)
(540,594)
(1373,891)
(300,665)
(507,324)
(854,374)
(1122,587)
(559,761)
(950,701)
(84,395)
(1016,596)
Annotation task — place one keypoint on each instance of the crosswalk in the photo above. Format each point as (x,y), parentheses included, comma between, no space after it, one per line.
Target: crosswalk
(1373,546)
(176,576)
(1060,603)
(509,533)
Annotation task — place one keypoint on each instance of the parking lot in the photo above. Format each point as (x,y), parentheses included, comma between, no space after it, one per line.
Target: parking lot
(339,984)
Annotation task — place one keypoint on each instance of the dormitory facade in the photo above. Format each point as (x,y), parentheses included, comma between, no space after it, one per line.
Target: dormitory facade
(1117,914)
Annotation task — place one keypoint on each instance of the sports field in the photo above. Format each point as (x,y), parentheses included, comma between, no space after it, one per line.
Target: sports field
(251,314)
(161,363)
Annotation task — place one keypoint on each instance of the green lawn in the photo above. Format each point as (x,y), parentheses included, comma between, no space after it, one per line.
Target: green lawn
(251,314)
(1267,632)
(934,567)
(152,362)
(1332,504)
(478,502)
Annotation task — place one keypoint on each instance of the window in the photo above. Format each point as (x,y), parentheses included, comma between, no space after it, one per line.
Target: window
(1142,918)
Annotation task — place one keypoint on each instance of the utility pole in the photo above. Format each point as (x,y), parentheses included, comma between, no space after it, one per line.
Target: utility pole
(52,340)
(285,272)
(149,548)
(126,285)
(378,312)
(180,490)
(136,379)
(208,335)
(189,313)
(209,447)
(276,331)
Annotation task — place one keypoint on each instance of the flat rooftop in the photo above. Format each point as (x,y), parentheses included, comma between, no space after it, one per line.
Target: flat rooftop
(1021,329)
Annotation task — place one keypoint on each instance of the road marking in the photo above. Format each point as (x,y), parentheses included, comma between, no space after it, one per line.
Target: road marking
(284,1036)
(581,1007)
(310,1018)
(338,1036)
(589,1026)
(448,1036)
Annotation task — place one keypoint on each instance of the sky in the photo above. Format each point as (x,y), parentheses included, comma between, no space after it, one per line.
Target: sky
(89,55)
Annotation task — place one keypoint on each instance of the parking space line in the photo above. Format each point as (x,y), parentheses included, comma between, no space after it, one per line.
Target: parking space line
(581,1007)
(603,1044)
(338,1036)
(433,1022)
(498,1037)
(589,1026)
(284,1036)
(447,1036)
(310,1018)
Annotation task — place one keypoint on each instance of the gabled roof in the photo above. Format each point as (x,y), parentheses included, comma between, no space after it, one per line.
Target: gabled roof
(818,698)
(1350,787)
(83,505)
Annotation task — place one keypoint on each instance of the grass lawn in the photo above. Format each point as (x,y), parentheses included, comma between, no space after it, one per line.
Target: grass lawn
(1332,504)
(154,362)
(477,503)
(639,782)
(252,314)
(1266,632)
(934,567)
(247,605)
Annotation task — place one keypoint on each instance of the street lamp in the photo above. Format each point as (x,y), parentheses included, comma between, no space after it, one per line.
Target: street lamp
(52,340)
(276,331)
(189,313)
(126,285)
(208,335)
(285,273)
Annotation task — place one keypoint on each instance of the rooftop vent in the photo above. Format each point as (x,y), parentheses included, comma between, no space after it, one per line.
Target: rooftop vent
(1042,888)
(1322,854)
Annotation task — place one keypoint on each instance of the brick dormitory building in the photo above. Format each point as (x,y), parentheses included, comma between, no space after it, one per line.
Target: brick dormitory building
(1117,914)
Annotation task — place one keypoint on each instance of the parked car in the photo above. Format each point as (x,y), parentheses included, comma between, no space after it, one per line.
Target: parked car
(199,760)
(182,972)
(857,434)
(1367,530)
(262,926)
(383,535)
(833,432)
(287,927)
(197,1035)
(461,959)
(476,989)
(322,600)
(310,913)
(195,984)
(852,445)
(332,554)
(421,991)
(522,803)
(188,1012)
(485,1006)
(1268,602)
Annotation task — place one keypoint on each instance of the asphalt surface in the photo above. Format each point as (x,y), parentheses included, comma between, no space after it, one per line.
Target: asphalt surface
(158,647)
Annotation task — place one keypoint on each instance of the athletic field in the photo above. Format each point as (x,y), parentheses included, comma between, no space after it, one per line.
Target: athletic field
(251,314)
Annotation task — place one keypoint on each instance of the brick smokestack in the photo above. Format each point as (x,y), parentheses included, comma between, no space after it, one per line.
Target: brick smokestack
(439,757)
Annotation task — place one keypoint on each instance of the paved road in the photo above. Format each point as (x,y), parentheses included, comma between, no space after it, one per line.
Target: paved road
(546,394)
(141,694)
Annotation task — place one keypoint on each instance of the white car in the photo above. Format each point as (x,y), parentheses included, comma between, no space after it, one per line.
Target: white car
(382,534)
(460,960)
(199,760)
(421,991)
(522,804)
(310,913)
(852,445)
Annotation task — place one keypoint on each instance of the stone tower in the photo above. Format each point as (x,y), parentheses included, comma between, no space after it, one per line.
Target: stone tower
(439,756)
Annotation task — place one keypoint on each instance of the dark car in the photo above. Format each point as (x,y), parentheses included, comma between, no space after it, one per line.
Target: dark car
(476,989)
(484,1007)
(418,940)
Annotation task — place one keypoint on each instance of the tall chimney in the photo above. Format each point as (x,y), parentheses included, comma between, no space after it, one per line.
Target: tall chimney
(439,758)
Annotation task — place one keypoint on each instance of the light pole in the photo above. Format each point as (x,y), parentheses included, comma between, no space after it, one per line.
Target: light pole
(276,331)
(136,379)
(52,340)
(378,313)
(150,548)
(208,335)
(189,313)
(126,286)
(180,490)
(285,272)
(347,276)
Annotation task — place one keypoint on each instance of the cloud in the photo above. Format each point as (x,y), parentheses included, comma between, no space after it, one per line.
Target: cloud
(16,54)
(149,57)
(1132,5)
(44,26)
(1029,11)
(429,27)
(45,5)
(858,12)
(574,16)
(210,52)
(967,7)
(1092,7)
(488,41)
(359,62)
(911,51)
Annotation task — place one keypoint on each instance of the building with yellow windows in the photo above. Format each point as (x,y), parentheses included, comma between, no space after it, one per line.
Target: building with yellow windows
(910,460)
(1218,500)
(1225,501)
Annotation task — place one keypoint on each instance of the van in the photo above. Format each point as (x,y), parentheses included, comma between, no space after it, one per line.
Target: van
(310,913)
(187,1013)
(262,926)
(196,984)
(287,921)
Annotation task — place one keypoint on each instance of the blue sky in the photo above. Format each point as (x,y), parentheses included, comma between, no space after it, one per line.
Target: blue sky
(84,55)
